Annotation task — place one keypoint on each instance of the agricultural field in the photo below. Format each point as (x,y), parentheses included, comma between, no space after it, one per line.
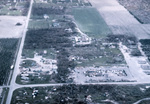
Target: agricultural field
(140,9)
(10,8)
(90,22)
(82,94)
(8,48)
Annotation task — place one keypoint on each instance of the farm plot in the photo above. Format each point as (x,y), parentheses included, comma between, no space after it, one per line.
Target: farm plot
(7,55)
(140,9)
(11,26)
(90,22)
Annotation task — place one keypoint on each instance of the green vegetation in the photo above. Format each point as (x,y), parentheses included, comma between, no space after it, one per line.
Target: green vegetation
(146,47)
(28,53)
(97,54)
(3,96)
(90,22)
(52,27)
(78,94)
(6,11)
(39,24)
(40,9)
(28,63)
(103,61)
(145,102)
(75,1)
(8,7)
(7,54)
(56,39)
(5,90)
(50,38)
(39,79)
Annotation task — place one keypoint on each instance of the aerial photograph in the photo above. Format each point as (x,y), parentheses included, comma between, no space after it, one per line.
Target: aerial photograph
(74,51)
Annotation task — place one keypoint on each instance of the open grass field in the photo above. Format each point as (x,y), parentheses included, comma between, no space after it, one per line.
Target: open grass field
(104,60)
(39,24)
(90,21)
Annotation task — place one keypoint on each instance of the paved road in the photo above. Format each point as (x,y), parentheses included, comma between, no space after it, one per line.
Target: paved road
(61,84)
(145,99)
(16,69)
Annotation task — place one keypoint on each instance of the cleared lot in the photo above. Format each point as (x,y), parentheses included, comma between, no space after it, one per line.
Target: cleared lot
(9,29)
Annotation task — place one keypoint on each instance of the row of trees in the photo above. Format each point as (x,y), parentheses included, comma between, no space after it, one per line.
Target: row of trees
(7,53)
(39,10)
(146,47)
